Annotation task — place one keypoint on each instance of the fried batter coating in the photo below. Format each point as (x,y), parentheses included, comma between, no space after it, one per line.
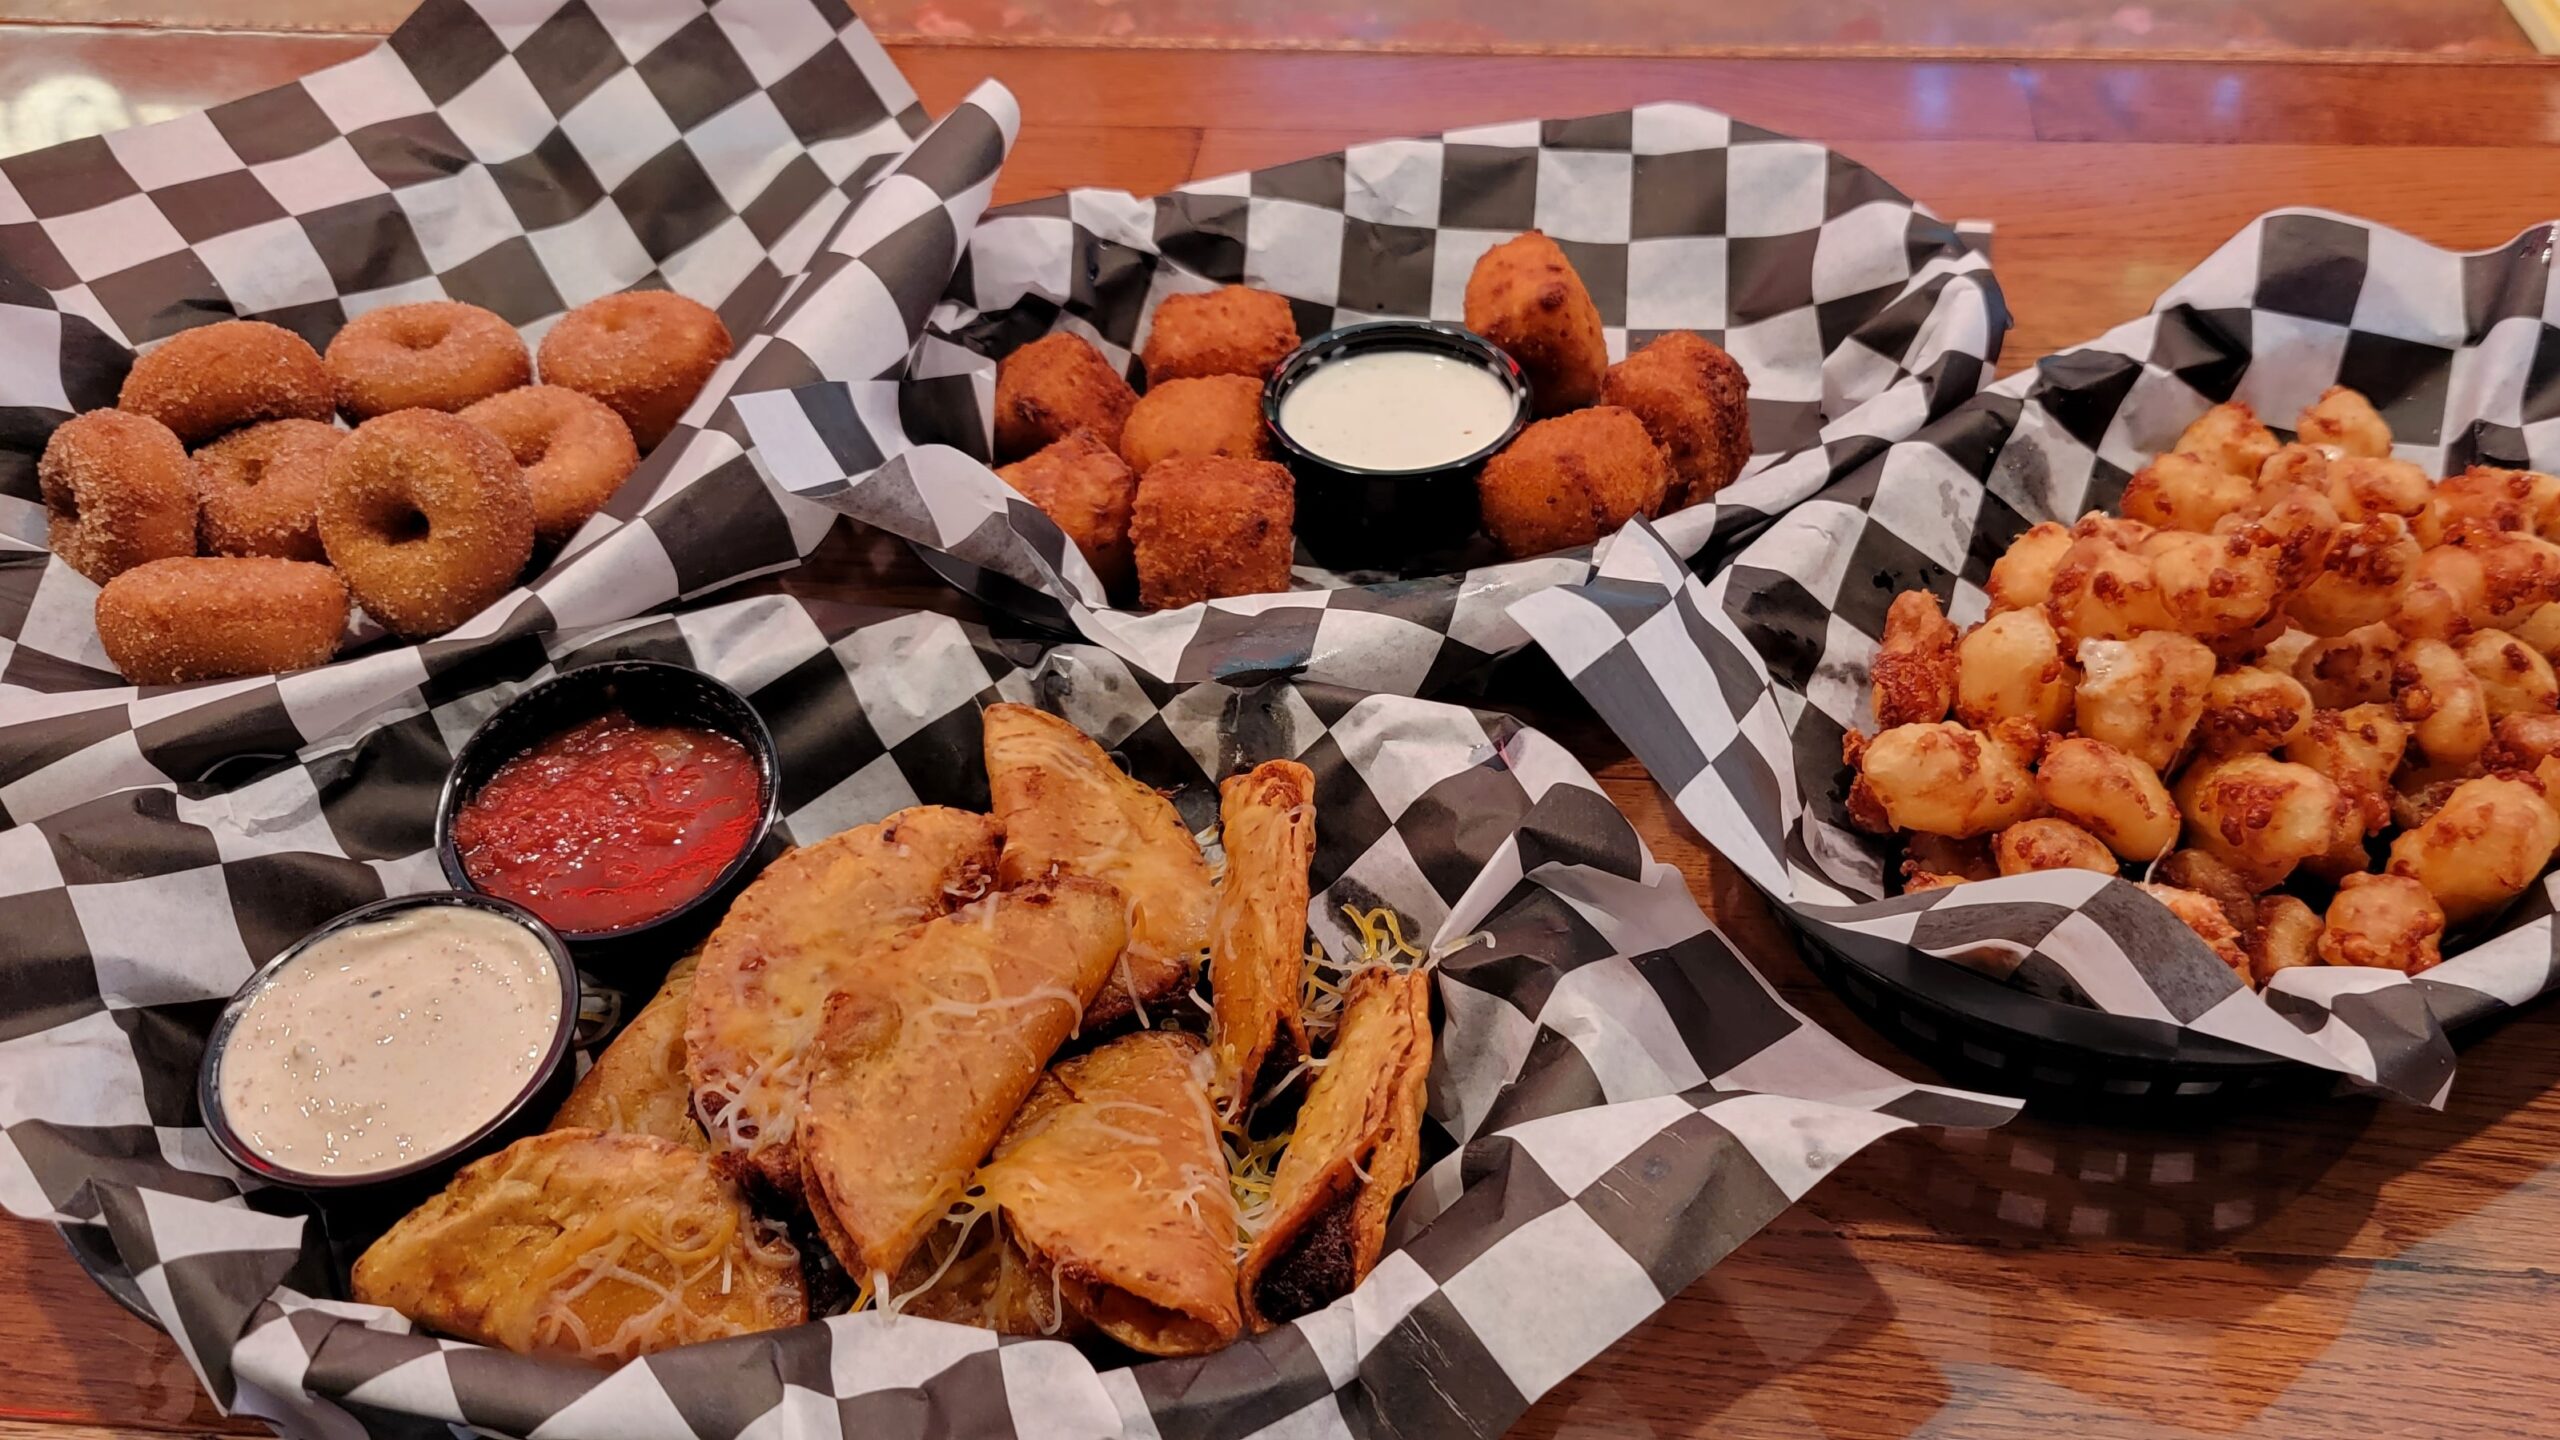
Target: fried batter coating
(1931,862)
(2050,844)
(2246,708)
(2539,628)
(2358,749)
(2520,573)
(2143,695)
(2369,570)
(1053,387)
(1524,296)
(1207,527)
(2218,585)
(1695,401)
(2486,498)
(2489,840)
(2344,419)
(1210,415)
(2514,678)
(1947,780)
(2447,587)
(2418,795)
(2199,871)
(2363,486)
(2355,668)
(1084,486)
(2185,492)
(2102,591)
(2523,740)
(2259,815)
(1914,676)
(2111,795)
(2447,710)
(2200,914)
(1570,480)
(2022,578)
(2299,522)
(2287,934)
(2011,665)
(2389,921)
(2295,464)
(2229,435)
(1236,330)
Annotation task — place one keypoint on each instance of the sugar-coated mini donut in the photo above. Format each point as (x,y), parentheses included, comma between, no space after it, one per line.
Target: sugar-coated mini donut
(1053,387)
(213,617)
(646,353)
(116,493)
(574,451)
(260,488)
(427,517)
(222,376)
(431,355)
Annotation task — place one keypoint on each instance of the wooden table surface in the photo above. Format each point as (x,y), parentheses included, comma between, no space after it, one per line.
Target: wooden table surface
(2335,1267)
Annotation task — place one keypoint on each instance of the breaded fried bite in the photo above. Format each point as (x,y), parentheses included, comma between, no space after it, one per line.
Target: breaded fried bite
(1052,387)
(1212,526)
(1570,480)
(1695,402)
(1524,296)
(1234,331)
(1210,415)
(1085,487)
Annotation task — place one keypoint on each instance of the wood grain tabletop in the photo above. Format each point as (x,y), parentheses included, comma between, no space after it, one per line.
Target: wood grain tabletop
(2323,1267)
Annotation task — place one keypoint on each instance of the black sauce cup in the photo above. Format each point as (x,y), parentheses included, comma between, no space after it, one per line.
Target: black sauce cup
(1408,521)
(400,1186)
(652,692)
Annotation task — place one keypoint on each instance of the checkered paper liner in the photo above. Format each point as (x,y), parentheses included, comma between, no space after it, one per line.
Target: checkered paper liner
(525,155)
(1857,314)
(1618,1098)
(1736,693)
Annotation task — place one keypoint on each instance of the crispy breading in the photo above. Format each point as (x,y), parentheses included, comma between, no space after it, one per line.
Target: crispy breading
(1524,296)
(1053,387)
(1236,330)
(1209,527)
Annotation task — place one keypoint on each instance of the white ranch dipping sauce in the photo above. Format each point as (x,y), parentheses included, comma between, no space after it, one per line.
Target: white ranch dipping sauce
(1396,409)
(391,1040)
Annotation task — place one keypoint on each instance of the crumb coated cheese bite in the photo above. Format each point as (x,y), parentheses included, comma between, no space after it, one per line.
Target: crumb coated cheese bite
(1524,296)
(1693,399)
(1210,415)
(1205,527)
(1053,387)
(1236,330)
(1088,490)
(1570,480)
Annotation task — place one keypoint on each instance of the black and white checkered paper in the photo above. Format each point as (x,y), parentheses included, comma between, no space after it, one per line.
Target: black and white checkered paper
(1736,693)
(526,155)
(1858,316)
(1618,1099)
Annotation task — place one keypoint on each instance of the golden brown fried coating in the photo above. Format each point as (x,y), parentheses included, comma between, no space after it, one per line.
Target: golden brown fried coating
(1695,401)
(1947,780)
(2299,522)
(1206,527)
(2143,695)
(2246,708)
(2355,668)
(2046,843)
(2369,570)
(1258,930)
(2489,840)
(1914,675)
(1236,330)
(2362,487)
(2345,420)
(174,621)
(2111,795)
(2011,665)
(1524,296)
(2389,921)
(2199,871)
(2523,740)
(646,353)
(2185,492)
(430,355)
(2295,464)
(638,1085)
(1053,387)
(2443,702)
(2200,914)
(2259,815)
(2287,934)
(2229,435)
(2519,573)
(1570,480)
(586,1246)
(2485,498)
(2539,628)
(2220,585)
(2358,749)
(1931,862)
(2102,591)
(2022,578)
(1210,415)
(2419,794)
(260,488)
(116,493)
(2514,678)
(2447,588)
(1084,486)
(574,450)
(230,373)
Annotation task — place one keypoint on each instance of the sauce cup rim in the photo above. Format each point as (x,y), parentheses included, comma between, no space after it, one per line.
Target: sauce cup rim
(236,1148)
(1439,336)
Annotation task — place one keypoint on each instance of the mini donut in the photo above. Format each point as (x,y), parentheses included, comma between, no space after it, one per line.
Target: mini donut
(222,376)
(433,355)
(427,517)
(646,353)
(210,618)
(260,488)
(575,452)
(116,493)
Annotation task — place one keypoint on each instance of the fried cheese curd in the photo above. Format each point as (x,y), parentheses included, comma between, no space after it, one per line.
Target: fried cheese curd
(1524,296)
(1208,415)
(1570,480)
(2301,683)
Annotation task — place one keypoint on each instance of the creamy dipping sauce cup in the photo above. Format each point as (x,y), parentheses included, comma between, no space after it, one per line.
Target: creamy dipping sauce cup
(1385,425)
(486,999)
